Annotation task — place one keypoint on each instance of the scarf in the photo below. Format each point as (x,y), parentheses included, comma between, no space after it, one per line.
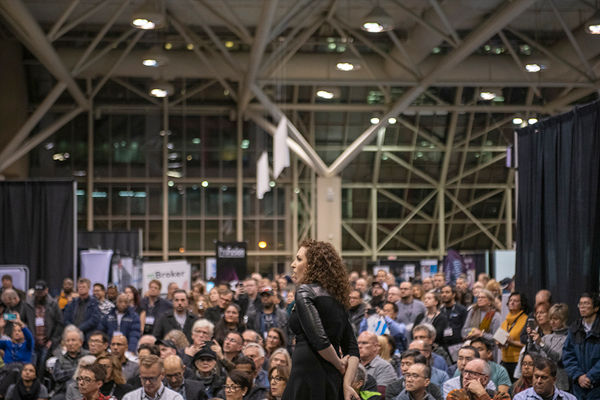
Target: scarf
(22,393)
(511,320)
(487,321)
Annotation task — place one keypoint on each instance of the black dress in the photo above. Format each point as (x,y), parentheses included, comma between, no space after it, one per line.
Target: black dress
(318,320)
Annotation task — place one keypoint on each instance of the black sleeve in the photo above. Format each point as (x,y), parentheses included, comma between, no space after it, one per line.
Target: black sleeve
(310,318)
(348,343)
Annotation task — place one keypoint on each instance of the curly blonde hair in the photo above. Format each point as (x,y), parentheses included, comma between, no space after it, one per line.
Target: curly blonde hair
(325,267)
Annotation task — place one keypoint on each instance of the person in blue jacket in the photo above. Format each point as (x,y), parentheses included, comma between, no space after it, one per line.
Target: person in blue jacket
(125,320)
(20,348)
(83,311)
(581,351)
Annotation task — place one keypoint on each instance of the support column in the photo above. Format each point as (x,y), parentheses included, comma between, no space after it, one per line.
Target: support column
(165,181)
(509,219)
(329,210)
(441,224)
(239,183)
(13,108)
(90,165)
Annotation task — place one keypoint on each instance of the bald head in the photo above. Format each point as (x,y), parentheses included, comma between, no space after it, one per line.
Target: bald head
(174,369)
(173,362)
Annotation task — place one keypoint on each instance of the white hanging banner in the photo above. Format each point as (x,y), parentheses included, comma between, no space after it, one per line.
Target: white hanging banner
(95,265)
(262,175)
(281,152)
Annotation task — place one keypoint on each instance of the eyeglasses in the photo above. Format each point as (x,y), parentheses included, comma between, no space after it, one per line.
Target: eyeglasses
(412,376)
(149,379)
(231,388)
(230,339)
(85,379)
(278,379)
(467,372)
(527,364)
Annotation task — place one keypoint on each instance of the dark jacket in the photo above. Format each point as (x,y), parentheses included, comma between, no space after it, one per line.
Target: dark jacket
(167,323)
(393,390)
(356,315)
(244,301)
(65,368)
(440,323)
(91,321)
(53,320)
(130,326)
(194,390)
(27,314)
(581,354)
(214,314)
(255,321)
(160,307)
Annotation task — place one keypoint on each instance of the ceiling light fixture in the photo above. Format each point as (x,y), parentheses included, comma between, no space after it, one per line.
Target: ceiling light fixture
(593,25)
(155,57)
(533,67)
(392,121)
(532,121)
(148,16)
(328,93)
(161,88)
(517,121)
(347,65)
(377,21)
(489,93)
(374,120)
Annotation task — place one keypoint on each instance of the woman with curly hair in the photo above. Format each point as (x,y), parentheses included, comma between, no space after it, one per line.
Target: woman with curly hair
(320,321)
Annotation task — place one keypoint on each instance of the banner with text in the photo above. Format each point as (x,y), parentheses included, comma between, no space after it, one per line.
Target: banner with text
(231,261)
(178,271)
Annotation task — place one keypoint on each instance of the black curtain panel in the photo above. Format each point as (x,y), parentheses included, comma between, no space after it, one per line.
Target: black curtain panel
(124,243)
(36,228)
(558,218)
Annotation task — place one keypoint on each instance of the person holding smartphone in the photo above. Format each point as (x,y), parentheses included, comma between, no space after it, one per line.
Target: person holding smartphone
(20,347)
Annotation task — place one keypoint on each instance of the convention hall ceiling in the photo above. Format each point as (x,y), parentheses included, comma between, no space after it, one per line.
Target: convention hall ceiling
(402,111)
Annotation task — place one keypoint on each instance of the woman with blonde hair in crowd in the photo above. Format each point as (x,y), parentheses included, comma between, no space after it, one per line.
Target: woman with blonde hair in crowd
(280,357)
(494,287)
(482,320)
(114,382)
(178,337)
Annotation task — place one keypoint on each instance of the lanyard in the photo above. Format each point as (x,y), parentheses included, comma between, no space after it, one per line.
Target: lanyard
(510,328)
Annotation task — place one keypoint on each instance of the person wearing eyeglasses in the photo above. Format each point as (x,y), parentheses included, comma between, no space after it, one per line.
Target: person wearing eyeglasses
(237,384)
(89,381)
(152,373)
(278,377)
(475,377)
(544,383)
(466,354)
(188,389)
(416,382)
(581,351)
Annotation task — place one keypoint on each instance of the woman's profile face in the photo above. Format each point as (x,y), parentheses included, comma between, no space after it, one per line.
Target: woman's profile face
(299,265)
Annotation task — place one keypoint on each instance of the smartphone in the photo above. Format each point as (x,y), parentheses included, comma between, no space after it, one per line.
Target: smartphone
(10,316)
(531,323)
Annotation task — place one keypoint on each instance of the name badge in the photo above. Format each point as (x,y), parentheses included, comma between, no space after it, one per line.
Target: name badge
(39,321)
(149,320)
(447,332)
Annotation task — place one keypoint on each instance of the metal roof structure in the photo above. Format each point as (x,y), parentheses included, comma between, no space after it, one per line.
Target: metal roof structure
(422,155)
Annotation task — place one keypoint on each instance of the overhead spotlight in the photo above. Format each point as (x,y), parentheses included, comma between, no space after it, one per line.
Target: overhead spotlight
(155,57)
(532,121)
(533,67)
(161,88)
(148,16)
(229,44)
(517,121)
(377,21)
(392,120)
(593,25)
(328,93)
(347,65)
(489,93)
(374,120)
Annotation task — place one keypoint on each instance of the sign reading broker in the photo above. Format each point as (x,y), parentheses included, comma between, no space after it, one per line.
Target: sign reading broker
(166,272)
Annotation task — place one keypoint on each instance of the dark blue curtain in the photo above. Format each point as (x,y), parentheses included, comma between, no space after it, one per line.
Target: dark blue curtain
(558,218)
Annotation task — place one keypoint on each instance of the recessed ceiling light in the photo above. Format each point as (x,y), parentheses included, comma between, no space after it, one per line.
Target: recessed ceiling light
(161,88)
(328,93)
(148,16)
(593,25)
(532,121)
(517,121)
(374,120)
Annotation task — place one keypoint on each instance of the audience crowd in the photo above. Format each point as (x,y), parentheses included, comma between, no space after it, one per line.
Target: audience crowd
(421,340)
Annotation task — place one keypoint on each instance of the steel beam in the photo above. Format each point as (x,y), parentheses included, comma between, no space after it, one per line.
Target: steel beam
(258,49)
(20,18)
(61,20)
(33,120)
